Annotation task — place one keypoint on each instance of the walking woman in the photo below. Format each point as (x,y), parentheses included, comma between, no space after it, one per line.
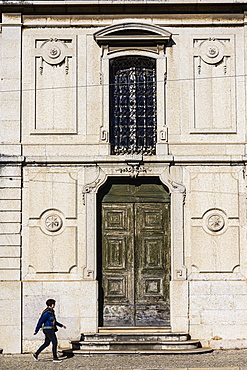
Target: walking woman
(49,325)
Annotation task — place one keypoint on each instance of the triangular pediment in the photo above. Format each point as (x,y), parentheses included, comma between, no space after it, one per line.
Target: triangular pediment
(132,33)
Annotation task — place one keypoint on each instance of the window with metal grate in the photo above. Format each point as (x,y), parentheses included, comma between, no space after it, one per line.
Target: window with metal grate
(133,105)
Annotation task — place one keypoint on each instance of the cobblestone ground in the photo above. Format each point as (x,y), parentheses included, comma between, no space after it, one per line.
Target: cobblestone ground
(234,360)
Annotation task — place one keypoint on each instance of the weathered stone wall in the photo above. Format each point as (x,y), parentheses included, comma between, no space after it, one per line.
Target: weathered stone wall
(10,184)
(48,236)
(10,257)
(218,312)
(76,309)
(215,224)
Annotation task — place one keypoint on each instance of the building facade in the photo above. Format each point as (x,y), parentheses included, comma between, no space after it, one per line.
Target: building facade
(123,168)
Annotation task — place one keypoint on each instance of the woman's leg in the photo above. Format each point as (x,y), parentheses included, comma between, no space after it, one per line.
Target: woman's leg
(54,344)
(51,335)
(45,344)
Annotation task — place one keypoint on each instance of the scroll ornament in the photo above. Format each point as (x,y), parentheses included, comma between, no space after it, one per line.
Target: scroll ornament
(133,170)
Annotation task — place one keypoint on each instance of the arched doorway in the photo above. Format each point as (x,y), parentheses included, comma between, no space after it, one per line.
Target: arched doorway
(134,262)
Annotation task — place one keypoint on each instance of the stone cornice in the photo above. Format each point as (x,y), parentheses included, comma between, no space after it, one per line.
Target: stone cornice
(111,160)
(123,6)
(103,2)
(11,159)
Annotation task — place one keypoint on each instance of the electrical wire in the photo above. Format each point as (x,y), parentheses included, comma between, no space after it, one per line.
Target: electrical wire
(126,84)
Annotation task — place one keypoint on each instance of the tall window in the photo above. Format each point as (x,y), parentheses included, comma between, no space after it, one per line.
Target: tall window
(133,105)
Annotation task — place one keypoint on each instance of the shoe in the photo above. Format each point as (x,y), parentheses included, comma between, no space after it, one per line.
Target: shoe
(35,357)
(57,360)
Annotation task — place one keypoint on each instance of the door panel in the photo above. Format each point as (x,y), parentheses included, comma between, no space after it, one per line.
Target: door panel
(118,264)
(135,263)
(152,265)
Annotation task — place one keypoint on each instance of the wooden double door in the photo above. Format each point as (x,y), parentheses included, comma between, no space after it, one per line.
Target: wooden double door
(136,255)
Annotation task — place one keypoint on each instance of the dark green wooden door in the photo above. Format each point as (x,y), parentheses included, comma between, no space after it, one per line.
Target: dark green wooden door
(135,256)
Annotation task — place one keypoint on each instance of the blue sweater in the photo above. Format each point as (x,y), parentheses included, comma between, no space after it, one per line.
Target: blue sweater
(47,320)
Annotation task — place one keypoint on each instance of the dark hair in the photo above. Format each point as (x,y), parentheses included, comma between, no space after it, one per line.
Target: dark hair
(49,302)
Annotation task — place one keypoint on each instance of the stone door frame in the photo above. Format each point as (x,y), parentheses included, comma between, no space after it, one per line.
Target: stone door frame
(95,176)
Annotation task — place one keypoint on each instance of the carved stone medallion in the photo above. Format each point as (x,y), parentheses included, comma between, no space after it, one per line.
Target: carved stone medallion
(53,222)
(212,51)
(54,51)
(215,222)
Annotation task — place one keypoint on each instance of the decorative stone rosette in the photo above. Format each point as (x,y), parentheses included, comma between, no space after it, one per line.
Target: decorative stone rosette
(53,52)
(212,51)
(215,221)
(52,222)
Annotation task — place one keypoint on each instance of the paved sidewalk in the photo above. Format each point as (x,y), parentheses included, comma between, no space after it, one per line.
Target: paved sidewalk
(229,360)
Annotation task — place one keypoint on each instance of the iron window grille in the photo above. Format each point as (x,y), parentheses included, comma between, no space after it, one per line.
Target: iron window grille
(133,105)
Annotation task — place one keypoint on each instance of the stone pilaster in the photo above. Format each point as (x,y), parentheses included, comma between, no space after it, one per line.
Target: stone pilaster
(10,254)
(10,135)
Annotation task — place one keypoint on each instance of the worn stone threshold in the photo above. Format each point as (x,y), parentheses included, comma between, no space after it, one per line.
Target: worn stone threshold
(142,342)
(135,329)
(195,351)
(134,336)
(137,345)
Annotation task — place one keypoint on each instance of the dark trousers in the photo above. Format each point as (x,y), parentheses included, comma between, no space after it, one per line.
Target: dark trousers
(50,336)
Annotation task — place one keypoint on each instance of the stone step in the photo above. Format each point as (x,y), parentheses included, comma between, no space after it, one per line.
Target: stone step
(135,337)
(135,345)
(126,342)
(195,351)
(135,329)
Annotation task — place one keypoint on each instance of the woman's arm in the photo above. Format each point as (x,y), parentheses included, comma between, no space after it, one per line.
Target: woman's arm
(41,321)
(60,325)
